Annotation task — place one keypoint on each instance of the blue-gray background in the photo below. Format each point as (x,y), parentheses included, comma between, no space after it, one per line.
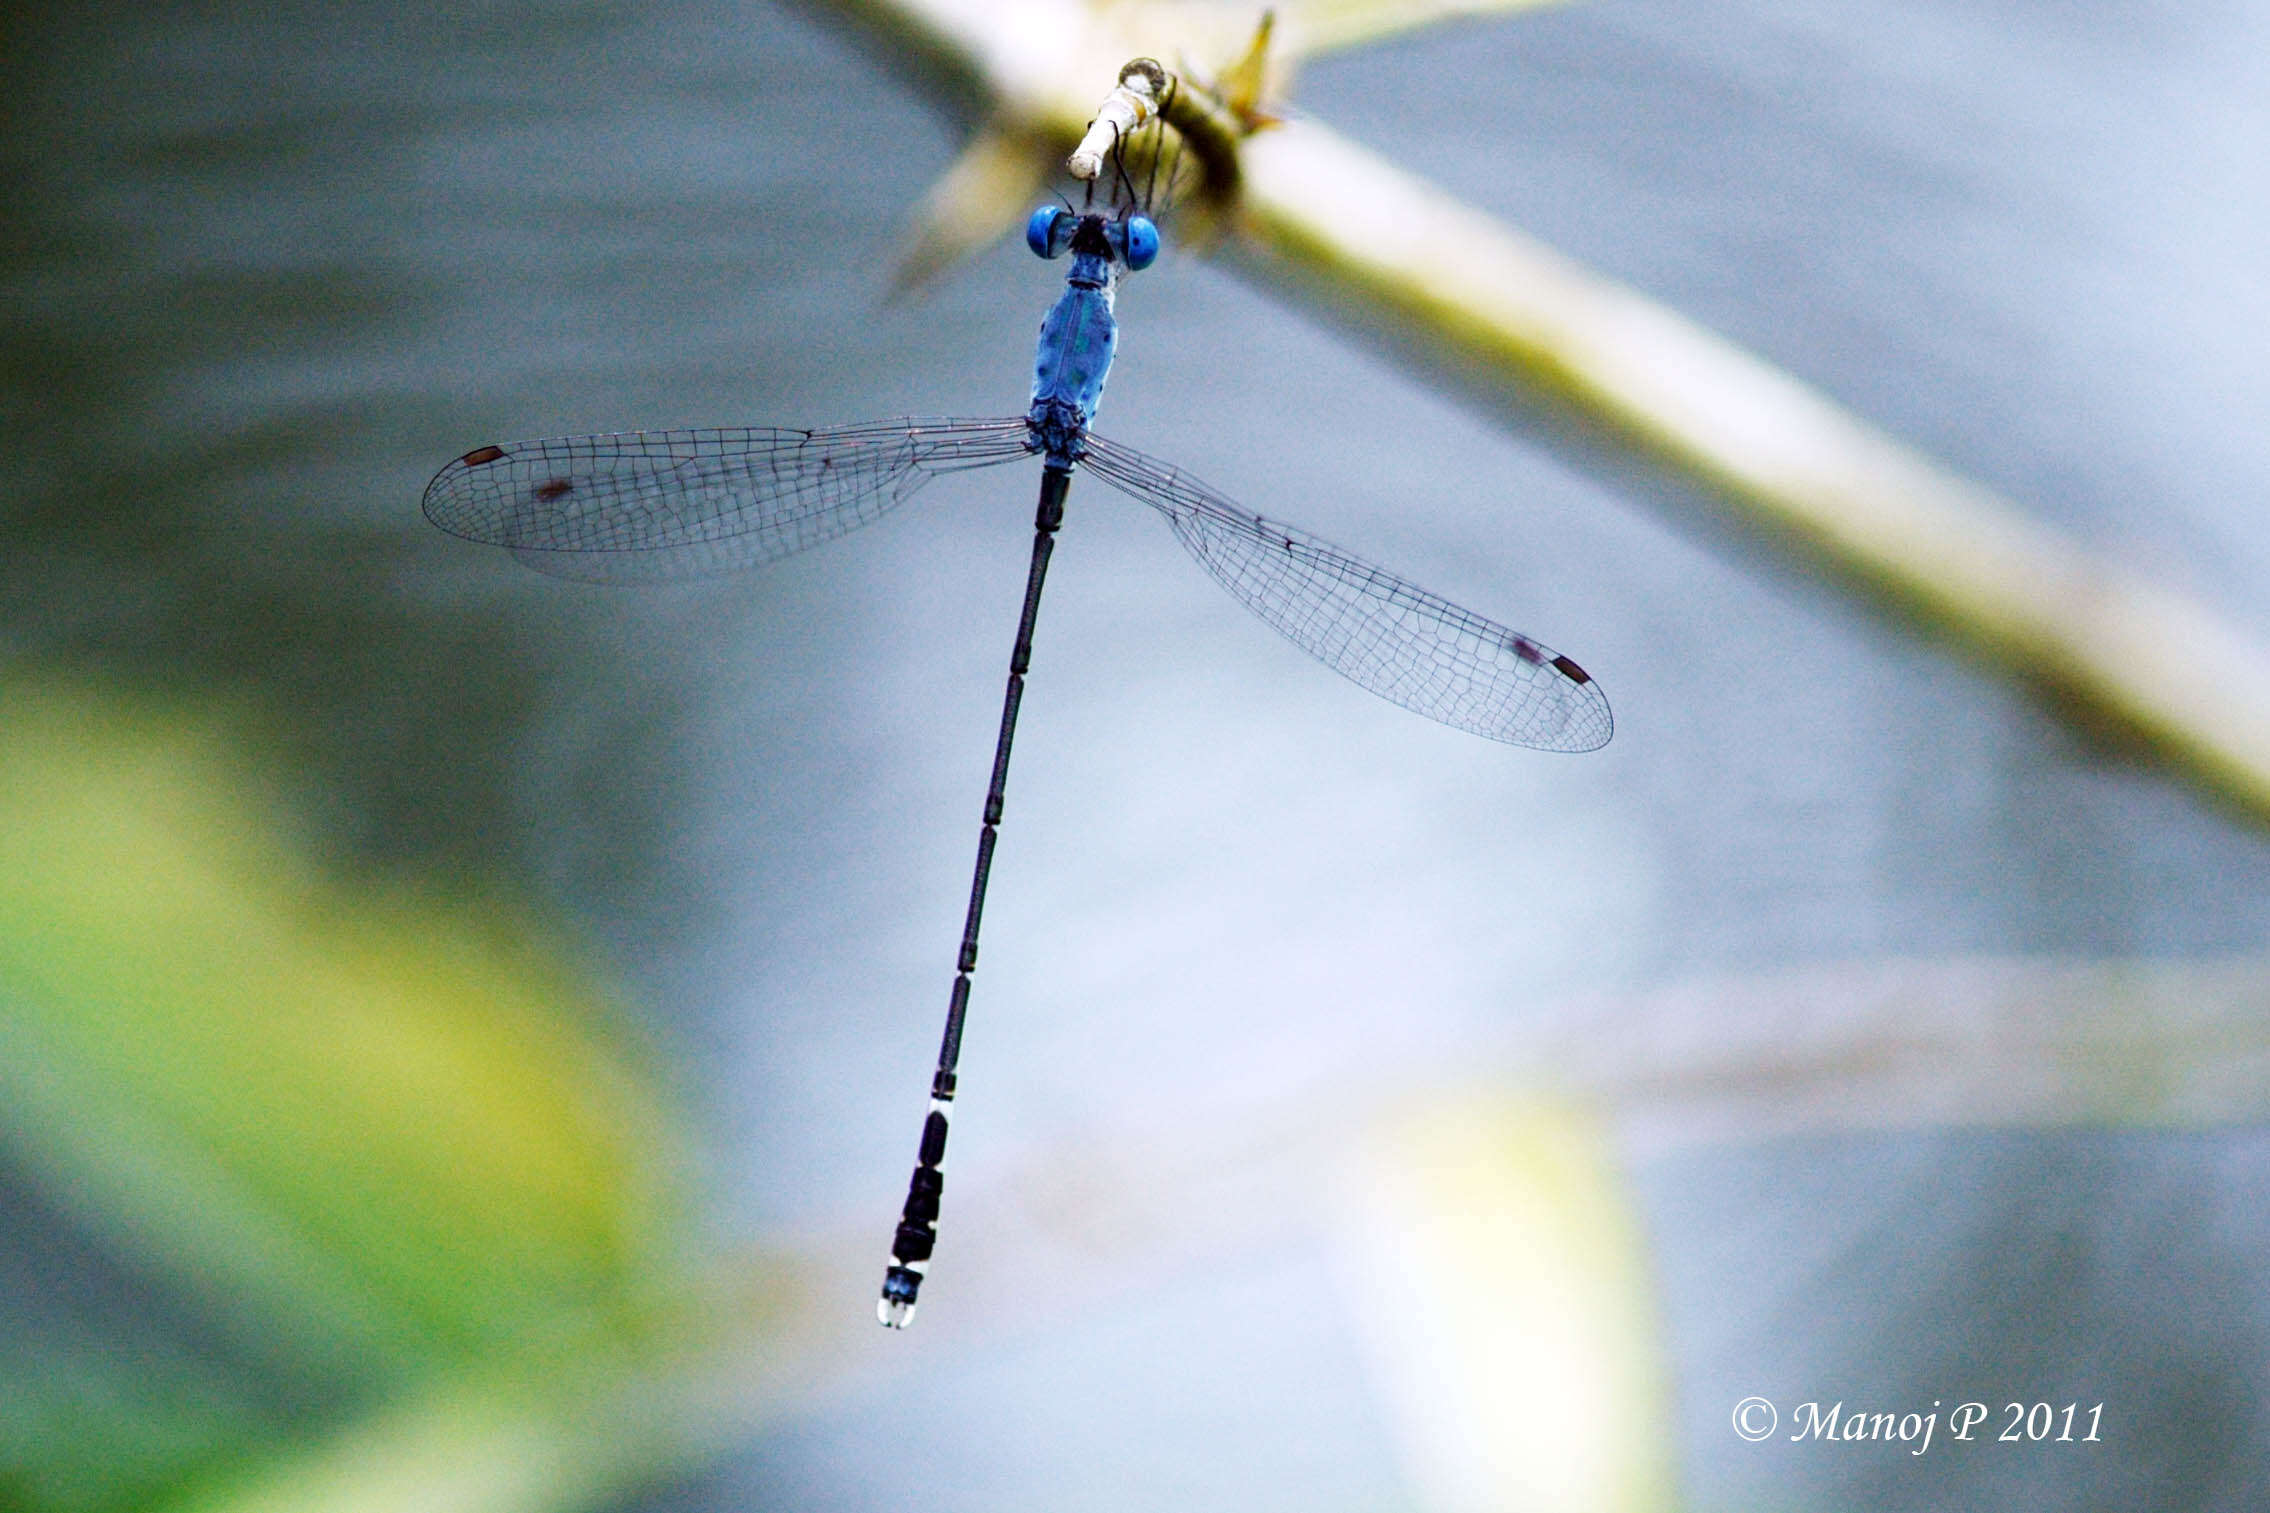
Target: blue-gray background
(268,268)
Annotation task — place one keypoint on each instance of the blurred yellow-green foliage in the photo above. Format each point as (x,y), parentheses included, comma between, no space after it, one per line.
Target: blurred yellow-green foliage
(377,1132)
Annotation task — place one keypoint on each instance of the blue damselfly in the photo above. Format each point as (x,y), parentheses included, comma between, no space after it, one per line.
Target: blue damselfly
(657,505)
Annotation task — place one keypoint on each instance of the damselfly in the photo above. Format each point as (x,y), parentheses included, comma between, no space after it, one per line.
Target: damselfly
(653,505)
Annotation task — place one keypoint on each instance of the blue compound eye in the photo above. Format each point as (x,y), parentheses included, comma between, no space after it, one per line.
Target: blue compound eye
(1139,243)
(1050,230)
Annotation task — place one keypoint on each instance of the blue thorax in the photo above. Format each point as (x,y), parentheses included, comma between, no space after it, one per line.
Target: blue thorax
(1080,334)
(1077,341)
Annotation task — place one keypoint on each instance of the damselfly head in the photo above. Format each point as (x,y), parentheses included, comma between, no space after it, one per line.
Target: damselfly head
(1130,240)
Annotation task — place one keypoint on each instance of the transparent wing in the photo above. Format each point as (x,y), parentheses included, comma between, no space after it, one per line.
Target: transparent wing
(1392,637)
(647,506)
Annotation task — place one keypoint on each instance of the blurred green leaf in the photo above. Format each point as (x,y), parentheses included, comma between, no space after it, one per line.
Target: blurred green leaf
(363,1133)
